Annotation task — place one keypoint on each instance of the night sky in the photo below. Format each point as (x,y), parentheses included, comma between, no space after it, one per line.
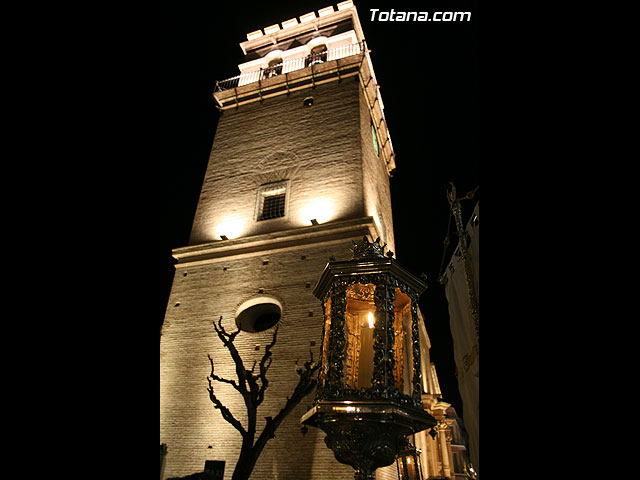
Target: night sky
(428,77)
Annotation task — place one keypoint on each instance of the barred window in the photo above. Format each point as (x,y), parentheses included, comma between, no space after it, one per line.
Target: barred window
(272,201)
(272,207)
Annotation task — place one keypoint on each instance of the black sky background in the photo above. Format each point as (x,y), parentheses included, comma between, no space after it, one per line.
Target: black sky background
(120,124)
(428,77)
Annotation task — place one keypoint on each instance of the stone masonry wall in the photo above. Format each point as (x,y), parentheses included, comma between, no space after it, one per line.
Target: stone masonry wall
(189,422)
(376,189)
(317,148)
(325,152)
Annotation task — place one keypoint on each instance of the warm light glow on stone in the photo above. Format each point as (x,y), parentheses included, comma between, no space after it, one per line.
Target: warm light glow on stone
(230,227)
(271,29)
(254,35)
(289,23)
(370,320)
(257,301)
(325,11)
(319,208)
(307,17)
(345,5)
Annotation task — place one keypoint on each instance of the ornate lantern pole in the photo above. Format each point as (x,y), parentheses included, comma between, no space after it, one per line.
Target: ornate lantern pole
(456,211)
(369,396)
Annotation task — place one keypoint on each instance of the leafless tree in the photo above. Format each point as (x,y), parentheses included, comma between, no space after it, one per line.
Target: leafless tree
(251,384)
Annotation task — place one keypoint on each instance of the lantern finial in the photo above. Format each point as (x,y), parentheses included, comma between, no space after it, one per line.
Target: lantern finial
(366,249)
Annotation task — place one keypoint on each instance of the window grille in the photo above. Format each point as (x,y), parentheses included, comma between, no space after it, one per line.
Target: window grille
(272,201)
(273,207)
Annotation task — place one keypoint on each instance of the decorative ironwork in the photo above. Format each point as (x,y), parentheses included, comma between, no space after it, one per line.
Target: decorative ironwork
(415,337)
(324,350)
(366,434)
(337,342)
(363,445)
(456,212)
(410,470)
(359,291)
(366,249)
(367,420)
(384,338)
(383,384)
(288,66)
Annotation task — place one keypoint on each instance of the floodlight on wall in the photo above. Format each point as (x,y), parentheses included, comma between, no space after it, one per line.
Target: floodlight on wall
(229,228)
(314,221)
(322,209)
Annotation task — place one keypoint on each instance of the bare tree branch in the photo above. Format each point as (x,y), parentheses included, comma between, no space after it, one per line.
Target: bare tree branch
(223,380)
(222,333)
(226,413)
(252,386)
(227,340)
(306,384)
(265,363)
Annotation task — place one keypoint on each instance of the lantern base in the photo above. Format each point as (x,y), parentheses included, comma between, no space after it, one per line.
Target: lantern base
(366,434)
(362,475)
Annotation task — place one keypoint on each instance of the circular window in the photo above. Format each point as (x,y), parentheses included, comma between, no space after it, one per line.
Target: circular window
(258,314)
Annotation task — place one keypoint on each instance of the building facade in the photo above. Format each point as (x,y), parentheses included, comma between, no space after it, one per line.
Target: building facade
(299,168)
(462,469)
(462,289)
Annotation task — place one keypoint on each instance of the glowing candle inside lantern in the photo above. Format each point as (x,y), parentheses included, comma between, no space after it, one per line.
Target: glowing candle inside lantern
(365,356)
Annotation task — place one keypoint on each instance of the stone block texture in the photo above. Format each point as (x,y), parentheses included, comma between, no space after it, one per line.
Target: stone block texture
(325,152)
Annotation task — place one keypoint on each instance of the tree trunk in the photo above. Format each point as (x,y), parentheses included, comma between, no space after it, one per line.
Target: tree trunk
(252,386)
(246,460)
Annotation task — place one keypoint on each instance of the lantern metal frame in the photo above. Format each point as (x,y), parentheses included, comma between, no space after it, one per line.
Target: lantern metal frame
(367,427)
(405,454)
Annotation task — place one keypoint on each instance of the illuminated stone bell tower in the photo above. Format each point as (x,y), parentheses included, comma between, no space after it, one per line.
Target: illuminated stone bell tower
(298,169)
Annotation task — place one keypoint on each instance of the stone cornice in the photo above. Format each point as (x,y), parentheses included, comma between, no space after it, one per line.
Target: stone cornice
(302,28)
(330,232)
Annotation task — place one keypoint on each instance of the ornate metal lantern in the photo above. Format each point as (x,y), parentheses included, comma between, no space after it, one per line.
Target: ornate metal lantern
(408,463)
(369,387)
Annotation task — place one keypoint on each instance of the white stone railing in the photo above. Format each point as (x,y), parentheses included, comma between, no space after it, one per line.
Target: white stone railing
(289,66)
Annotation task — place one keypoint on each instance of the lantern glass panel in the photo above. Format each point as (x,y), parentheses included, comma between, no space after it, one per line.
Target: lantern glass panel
(403,347)
(409,467)
(359,327)
(325,342)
